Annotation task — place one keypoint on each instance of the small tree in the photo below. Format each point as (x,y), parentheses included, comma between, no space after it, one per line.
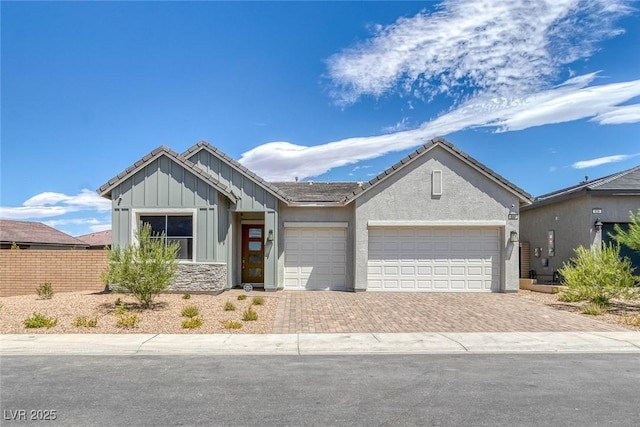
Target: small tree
(630,237)
(597,276)
(145,268)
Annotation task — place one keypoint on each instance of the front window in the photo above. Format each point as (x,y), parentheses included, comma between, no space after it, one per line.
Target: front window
(176,228)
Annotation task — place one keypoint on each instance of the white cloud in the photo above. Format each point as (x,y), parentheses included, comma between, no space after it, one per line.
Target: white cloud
(100,227)
(583,164)
(489,46)
(626,114)
(50,204)
(573,100)
(496,59)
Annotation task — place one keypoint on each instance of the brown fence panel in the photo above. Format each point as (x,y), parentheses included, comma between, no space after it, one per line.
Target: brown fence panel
(22,271)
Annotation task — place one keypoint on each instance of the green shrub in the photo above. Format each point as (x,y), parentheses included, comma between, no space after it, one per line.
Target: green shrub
(228,306)
(84,322)
(242,297)
(257,301)
(597,276)
(45,291)
(231,324)
(146,268)
(249,315)
(186,296)
(127,321)
(190,311)
(38,320)
(594,309)
(120,309)
(192,322)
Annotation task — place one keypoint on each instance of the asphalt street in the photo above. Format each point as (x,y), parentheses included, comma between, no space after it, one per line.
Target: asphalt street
(337,390)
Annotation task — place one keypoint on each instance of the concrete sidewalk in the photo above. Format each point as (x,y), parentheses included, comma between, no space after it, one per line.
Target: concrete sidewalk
(310,344)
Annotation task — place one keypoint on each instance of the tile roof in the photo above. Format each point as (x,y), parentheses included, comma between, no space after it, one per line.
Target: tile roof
(204,145)
(310,191)
(35,233)
(523,195)
(105,189)
(627,181)
(100,238)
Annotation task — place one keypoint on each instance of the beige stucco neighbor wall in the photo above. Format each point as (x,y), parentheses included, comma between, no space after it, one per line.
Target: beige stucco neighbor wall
(22,271)
(467,195)
(573,223)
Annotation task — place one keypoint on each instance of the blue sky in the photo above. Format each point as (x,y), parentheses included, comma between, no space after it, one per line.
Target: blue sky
(542,93)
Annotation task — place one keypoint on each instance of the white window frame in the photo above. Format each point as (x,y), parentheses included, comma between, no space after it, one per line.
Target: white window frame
(436,182)
(135,220)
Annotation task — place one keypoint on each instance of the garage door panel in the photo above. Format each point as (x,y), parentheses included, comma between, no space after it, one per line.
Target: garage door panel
(315,258)
(458,259)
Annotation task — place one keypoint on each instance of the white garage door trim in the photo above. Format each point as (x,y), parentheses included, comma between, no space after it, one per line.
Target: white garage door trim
(434,259)
(315,256)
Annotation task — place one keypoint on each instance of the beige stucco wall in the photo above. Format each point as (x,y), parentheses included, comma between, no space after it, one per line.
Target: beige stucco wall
(573,223)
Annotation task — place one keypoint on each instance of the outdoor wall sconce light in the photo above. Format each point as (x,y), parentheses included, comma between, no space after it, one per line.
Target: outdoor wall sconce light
(598,225)
(513,237)
(270,236)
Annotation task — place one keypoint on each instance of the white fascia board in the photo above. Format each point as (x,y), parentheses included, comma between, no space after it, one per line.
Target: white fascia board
(292,224)
(448,223)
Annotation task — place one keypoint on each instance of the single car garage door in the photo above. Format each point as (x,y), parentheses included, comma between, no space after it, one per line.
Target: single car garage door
(434,259)
(315,258)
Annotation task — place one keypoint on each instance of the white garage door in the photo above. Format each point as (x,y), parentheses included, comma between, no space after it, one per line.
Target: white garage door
(315,258)
(434,259)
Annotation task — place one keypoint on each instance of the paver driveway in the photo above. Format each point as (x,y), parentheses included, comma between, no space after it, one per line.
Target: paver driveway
(333,312)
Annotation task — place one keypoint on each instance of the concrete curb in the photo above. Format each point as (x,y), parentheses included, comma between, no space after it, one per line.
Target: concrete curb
(319,344)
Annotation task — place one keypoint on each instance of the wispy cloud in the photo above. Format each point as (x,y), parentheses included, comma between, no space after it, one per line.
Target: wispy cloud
(49,204)
(488,46)
(573,100)
(495,63)
(583,164)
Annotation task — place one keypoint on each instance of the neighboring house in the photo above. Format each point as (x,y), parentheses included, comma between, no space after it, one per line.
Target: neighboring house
(97,240)
(35,235)
(581,215)
(438,220)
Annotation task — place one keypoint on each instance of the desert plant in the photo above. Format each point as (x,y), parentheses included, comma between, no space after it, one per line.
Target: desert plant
(249,315)
(126,322)
(257,301)
(242,297)
(186,296)
(38,320)
(597,276)
(192,322)
(228,306)
(594,309)
(631,320)
(190,311)
(45,291)
(145,268)
(120,309)
(231,324)
(630,237)
(84,322)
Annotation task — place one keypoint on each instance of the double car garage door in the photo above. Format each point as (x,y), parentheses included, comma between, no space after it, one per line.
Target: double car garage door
(400,259)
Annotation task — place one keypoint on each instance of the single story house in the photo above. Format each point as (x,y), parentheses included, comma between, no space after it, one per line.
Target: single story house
(35,235)
(436,221)
(582,215)
(97,240)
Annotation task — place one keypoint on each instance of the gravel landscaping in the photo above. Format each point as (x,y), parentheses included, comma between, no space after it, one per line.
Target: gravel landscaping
(621,313)
(165,318)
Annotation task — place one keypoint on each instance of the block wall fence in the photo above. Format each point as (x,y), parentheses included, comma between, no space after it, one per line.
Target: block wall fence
(22,271)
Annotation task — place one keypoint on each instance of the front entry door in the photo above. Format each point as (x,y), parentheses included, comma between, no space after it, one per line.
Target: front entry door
(252,253)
